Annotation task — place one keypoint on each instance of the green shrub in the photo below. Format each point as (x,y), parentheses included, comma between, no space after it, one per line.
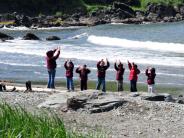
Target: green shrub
(92,8)
(144,3)
(58,13)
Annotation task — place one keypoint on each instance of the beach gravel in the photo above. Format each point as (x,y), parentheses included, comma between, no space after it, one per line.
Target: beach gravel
(136,118)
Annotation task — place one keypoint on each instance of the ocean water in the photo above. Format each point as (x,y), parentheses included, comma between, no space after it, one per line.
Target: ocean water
(156,45)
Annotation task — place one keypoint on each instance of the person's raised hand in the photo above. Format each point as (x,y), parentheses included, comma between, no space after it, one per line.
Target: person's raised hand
(59,48)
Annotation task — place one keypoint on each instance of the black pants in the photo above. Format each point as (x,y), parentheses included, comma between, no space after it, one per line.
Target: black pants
(83,85)
(120,85)
(133,86)
(2,87)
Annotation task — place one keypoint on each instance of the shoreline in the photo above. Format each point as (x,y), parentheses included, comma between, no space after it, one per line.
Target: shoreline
(110,86)
(32,28)
(75,25)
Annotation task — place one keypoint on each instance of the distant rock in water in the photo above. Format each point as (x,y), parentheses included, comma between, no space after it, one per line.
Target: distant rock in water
(30,36)
(5,37)
(52,38)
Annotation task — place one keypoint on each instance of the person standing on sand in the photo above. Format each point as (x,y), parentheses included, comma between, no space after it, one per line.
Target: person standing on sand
(150,73)
(51,57)
(101,72)
(83,73)
(69,66)
(119,75)
(133,77)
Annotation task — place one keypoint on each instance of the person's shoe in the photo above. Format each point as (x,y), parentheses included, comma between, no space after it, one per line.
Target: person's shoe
(103,93)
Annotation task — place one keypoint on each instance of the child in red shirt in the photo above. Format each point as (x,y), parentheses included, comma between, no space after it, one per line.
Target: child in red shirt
(133,77)
(119,75)
(150,73)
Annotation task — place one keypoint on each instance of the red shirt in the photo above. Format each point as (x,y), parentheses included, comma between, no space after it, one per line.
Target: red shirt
(119,72)
(102,70)
(69,69)
(133,72)
(51,61)
(83,73)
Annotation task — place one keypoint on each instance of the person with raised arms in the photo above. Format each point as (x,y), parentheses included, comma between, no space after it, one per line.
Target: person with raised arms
(101,73)
(51,57)
(150,73)
(119,75)
(69,66)
(133,76)
(83,74)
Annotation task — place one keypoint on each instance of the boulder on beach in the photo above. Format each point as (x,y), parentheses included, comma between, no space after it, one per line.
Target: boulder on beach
(5,36)
(30,36)
(52,38)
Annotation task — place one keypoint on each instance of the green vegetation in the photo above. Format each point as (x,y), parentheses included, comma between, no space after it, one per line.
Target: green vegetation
(16,122)
(7,23)
(35,7)
(60,7)
(92,8)
(144,3)
(59,14)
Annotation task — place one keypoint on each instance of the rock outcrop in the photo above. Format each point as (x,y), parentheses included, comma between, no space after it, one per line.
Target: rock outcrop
(52,38)
(30,36)
(5,37)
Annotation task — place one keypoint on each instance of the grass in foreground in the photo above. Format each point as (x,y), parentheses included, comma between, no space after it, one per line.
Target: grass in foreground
(16,122)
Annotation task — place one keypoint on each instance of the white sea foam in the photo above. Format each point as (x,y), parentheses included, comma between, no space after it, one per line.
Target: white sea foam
(124,50)
(16,28)
(19,64)
(23,28)
(171,75)
(59,28)
(28,47)
(139,45)
(80,36)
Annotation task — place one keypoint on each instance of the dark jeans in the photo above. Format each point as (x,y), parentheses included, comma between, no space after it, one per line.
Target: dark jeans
(133,86)
(101,81)
(51,79)
(69,83)
(83,85)
(120,85)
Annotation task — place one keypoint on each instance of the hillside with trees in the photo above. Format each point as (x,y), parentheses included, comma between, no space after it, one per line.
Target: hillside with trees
(51,7)
(47,13)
